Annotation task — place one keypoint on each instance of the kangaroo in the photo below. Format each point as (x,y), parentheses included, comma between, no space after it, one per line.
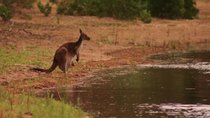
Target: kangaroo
(64,55)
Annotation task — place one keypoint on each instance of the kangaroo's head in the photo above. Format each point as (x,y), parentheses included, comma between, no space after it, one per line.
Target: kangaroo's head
(84,36)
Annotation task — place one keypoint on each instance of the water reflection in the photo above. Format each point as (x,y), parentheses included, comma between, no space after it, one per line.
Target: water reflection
(125,95)
(186,57)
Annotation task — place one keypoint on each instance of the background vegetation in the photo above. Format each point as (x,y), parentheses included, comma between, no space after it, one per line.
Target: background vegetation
(8,7)
(173,9)
(130,9)
(45,9)
(120,9)
(20,3)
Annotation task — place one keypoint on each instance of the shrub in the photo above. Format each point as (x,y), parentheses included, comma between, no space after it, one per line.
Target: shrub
(7,3)
(53,1)
(25,3)
(77,7)
(173,9)
(22,3)
(63,7)
(146,16)
(191,11)
(45,9)
(130,9)
(5,13)
(120,9)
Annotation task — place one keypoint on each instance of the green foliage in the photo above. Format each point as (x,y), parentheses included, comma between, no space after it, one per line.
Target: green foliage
(7,3)
(53,1)
(62,8)
(120,9)
(146,16)
(10,58)
(7,7)
(130,9)
(25,3)
(40,6)
(173,9)
(45,9)
(5,13)
(191,11)
(22,3)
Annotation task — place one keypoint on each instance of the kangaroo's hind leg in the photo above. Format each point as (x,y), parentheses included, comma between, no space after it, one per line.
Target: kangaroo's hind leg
(63,60)
(66,67)
(68,64)
(63,66)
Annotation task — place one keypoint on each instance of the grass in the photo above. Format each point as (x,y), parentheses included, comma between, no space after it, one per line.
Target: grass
(26,17)
(35,57)
(109,40)
(22,106)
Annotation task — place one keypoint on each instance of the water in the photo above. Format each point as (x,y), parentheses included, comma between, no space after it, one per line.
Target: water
(177,90)
(183,57)
(148,92)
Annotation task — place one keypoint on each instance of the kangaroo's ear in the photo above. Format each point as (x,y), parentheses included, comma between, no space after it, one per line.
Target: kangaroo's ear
(80,31)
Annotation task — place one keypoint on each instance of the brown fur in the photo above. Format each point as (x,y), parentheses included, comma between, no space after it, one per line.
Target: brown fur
(64,55)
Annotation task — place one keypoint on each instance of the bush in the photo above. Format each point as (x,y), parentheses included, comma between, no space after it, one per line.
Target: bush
(45,9)
(7,3)
(62,7)
(22,3)
(146,16)
(173,9)
(53,1)
(5,13)
(26,3)
(9,7)
(120,9)
(191,11)
(130,9)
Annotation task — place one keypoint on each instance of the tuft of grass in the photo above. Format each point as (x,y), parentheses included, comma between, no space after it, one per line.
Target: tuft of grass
(20,106)
(106,40)
(173,44)
(26,17)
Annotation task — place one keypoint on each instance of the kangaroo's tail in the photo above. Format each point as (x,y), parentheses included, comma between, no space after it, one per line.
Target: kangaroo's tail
(52,68)
(39,69)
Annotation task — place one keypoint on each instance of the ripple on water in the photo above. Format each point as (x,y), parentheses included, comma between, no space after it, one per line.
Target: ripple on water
(181,110)
(202,66)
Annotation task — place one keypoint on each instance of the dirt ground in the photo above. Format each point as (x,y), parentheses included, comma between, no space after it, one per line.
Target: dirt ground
(113,43)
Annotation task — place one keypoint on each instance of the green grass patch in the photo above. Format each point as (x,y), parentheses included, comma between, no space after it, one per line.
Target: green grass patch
(20,106)
(35,56)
